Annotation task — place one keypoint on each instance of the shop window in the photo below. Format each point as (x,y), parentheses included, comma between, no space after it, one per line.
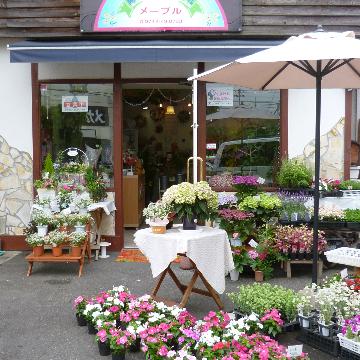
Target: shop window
(79,116)
(243,136)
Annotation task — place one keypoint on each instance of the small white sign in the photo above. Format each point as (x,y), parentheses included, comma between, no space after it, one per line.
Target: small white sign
(253,243)
(211,146)
(344,273)
(219,95)
(294,350)
(74,103)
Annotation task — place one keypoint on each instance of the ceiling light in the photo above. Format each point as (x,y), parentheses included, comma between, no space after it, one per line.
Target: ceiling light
(170,110)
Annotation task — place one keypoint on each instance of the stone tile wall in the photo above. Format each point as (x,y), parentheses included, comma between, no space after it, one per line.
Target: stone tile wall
(16,187)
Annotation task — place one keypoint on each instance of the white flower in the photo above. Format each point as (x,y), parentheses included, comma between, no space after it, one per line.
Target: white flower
(116,301)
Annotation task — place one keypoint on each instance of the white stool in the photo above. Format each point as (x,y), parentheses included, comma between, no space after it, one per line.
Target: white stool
(103,246)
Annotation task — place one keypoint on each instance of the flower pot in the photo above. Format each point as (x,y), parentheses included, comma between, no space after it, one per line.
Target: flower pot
(46,194)
(301,255)
(42,230)
(81,320)
(104,348)
(56,251)
(157,229)
(76,251)
(308,256)
(135,347)
(169,225)
(79,228)
(234,275)
(118,356)
(121,324)
(304,321)
(91,329)
(189,224)
(38,250)
(259,276)
(324,330)
(293,255)
(186,263)
(294,217)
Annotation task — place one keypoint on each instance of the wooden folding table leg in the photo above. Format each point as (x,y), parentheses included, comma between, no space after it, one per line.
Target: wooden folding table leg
(30,268)
(180,286)
(212,292)
(157,286)
(187,293)
(81,262)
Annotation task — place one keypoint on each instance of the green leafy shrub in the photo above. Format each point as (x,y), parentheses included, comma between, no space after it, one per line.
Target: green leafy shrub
(259,298)
(352,215)
(49,165)
(349,185)
(294,174)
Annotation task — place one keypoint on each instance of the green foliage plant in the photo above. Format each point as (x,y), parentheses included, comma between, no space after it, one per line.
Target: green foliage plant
(349,185)
(294,174)
(260,297)
(49,165)
(352,215)
(95,185)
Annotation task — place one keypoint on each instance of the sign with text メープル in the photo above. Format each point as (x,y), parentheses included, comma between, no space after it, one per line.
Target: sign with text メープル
(74,103)
(160,15)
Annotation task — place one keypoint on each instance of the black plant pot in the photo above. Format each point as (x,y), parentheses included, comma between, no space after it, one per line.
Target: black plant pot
(293,256)
(189,224)
(120,356)
(135,347)
(91,329)
(104,348)
(81,320)
(301,255)
(308,256)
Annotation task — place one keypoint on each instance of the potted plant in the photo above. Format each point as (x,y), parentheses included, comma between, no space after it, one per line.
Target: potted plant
(45,187)
(102,338)
(305,306)
(294,175)
(324,298)
(56,239)
(331,217)
(95,186)
(37,243)
(350,334)
(330,188)
(42,221)
(156,215)
(63,222)
(80,221)
(77,239)
(246,185)
(223,182)
(120,342)
(82,201)
(192,201)
(79,305)
(352,218)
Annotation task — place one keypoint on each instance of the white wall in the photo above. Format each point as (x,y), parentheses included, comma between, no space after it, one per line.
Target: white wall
(15,100)
(302,116)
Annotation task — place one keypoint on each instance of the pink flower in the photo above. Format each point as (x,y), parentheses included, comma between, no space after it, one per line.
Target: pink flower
(253,254)
(102,335)
(163,351)
(121,340)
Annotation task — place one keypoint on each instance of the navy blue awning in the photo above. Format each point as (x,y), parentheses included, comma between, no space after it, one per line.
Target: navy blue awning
(111,51)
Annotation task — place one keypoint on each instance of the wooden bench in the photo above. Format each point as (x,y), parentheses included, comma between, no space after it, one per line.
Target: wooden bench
(287,266)
(48,257)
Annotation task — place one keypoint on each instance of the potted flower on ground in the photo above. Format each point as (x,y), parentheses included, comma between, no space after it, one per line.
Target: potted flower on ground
(156,215)
(192,201)
(324,299)
(42,221)
(37,243)
(77,239)
(56,239)
(120,342)
(350,334)
(305,306)
(79,305)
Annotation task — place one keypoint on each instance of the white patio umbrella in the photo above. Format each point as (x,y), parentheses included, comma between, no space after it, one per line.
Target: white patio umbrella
(313,60)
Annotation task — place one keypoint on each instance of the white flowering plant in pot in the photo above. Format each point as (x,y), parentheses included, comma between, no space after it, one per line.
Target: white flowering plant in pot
(77,238)
(56,238)
(41,218)
(157,213)
(34,240)
(197,201)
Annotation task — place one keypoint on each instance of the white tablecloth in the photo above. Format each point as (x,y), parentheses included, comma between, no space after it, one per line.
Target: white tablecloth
(107,206)
(209,249)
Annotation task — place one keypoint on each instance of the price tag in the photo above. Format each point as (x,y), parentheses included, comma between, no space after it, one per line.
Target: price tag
(294,350)
(344,273)
(253,243)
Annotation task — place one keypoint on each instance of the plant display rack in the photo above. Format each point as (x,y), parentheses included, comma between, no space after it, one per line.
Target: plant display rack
(348,344)
(329,345)
(348,355)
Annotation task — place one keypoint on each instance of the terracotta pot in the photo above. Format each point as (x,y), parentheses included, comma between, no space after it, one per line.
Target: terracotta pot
(76,251)
(186,263)
(158,229)
(259,276)
(38,250)
(57,251)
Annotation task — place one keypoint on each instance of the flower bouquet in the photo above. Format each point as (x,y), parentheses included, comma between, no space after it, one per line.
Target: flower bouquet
(192,201)
(156,215)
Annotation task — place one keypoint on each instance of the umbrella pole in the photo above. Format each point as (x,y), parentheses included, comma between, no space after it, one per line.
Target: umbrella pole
(317,173)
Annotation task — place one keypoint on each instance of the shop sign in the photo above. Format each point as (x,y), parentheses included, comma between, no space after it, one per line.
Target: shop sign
(97,116)
(160,15)
(219,95)
(211,146)
(73,103)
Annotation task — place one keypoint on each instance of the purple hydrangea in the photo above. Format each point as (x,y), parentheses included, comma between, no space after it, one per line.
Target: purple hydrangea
(245,180)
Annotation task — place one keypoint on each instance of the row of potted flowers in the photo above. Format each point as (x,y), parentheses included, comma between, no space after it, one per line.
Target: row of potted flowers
(123,322)
(56,239)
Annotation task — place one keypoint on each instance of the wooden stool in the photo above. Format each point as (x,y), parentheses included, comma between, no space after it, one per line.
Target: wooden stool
(288,264)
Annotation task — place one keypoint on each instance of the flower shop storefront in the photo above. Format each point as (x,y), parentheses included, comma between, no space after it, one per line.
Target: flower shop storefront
(135,126)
